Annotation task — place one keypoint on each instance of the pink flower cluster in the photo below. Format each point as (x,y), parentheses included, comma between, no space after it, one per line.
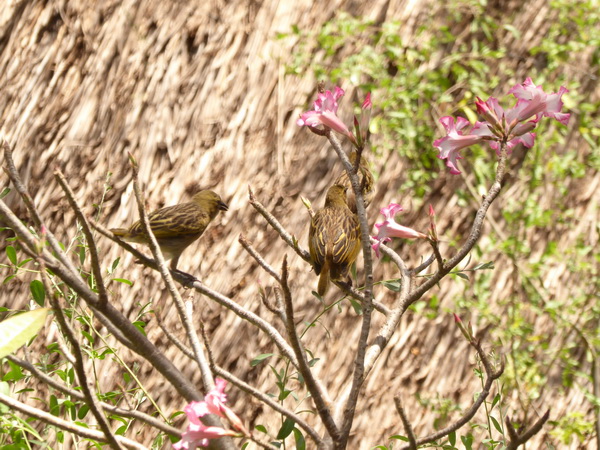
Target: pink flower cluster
(389,228)
(324,113)
(513,126)
(198,434)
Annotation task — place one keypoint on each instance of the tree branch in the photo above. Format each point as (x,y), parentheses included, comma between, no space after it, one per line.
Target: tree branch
(65,425)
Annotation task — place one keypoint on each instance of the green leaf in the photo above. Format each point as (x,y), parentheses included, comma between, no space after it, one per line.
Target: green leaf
(286,429)
(11,253)
(15,373)
(452,438)
(497,425)
(17,330)
(462,275)
(467,441)
(513,30)
(82,412)
(392,285)
(356,306)
(399,437)
(496,400)
(300,441)
(37,291)
(261,428)
(260,358)
(4,192)
(485,266)
(124,281)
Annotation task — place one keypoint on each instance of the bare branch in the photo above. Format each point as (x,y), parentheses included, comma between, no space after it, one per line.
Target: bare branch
(259,259)
(13,173)
(85,386)
(174,340)
(245,314)
(240,384)
(407,426)
(516,440)
(313,387)
(359,361)
(132,414)
(491,376)
(65,425)
(357,295)
(288,238)
(85,226)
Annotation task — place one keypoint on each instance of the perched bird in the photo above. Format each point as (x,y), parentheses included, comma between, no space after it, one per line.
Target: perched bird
(365,178)
(333,238)
(176,227)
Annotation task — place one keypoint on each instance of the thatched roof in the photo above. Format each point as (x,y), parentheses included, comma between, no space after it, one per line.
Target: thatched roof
(196,91)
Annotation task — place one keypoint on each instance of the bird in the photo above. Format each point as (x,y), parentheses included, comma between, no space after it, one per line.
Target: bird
(176,227)
(333,238)
(365,179)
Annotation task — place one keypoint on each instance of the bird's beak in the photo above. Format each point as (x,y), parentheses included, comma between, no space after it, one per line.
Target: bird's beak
(222,206)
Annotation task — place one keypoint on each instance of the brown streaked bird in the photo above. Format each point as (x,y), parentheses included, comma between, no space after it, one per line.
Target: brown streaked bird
(333,238)
(176,227)
(368,185)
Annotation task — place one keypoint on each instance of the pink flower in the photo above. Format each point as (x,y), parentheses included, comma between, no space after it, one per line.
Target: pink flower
(527,139)
(324,113)
(367,103)
(454,141)
(213,403)
(198,435)
(362,126)
(389,228)
(491,111)
(539,103)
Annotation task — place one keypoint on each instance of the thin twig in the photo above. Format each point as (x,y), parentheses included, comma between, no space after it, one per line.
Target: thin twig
(65,425)
(90,397)
(276,308)
(519,439)
(13,173)
(258,258)
(245,314)
(491,375)
(357,295)
(262,444)
(288,238)
(313,387)
(89,237)
(407,426)
(421,266)
(359,361)
(132,414)
(175,341)
(240,384)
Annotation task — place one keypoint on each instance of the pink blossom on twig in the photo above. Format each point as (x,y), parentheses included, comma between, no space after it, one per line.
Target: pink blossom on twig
(389,228)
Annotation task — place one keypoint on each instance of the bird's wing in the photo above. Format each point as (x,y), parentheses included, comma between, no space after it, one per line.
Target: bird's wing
(346,238)
(178,220)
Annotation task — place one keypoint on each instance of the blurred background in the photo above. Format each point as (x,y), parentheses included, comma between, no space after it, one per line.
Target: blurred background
(205,94)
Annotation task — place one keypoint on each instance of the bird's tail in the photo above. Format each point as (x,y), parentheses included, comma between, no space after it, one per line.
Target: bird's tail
(324,277)
(120,232)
